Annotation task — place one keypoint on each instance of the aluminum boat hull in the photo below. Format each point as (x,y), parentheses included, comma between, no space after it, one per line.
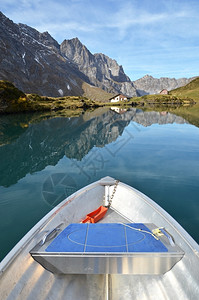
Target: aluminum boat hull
(21,277)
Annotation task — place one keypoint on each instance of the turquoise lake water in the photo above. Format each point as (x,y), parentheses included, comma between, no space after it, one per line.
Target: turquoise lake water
(43,160)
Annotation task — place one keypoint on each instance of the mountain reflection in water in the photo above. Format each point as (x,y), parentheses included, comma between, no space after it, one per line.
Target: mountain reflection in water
(27,148)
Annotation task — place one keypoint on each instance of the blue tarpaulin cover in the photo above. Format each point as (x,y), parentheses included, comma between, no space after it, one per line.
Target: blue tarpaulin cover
(106,238)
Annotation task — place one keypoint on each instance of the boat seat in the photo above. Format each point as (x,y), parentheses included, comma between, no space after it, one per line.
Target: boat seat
(114,248)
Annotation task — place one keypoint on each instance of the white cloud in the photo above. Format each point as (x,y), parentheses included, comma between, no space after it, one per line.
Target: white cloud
(88,17)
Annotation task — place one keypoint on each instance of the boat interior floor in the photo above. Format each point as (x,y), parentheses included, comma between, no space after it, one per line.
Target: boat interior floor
(112,216)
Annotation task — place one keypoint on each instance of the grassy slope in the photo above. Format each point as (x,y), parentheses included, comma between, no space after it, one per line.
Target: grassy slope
(95,93)
(190,90)
(13,100)
(162,99)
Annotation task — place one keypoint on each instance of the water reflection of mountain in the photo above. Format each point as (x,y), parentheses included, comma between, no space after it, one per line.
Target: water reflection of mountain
(46,142)
(148,118)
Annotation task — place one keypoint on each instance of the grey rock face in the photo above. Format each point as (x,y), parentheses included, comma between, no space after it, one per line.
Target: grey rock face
(100,70)
(36,63)
(150,85)
(33,61)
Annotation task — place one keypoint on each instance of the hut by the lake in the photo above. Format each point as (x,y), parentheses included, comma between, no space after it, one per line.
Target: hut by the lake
(164,92)
(118,97)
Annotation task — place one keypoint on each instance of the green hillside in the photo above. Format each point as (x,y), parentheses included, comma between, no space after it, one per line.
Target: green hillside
(12,100)
(191,90)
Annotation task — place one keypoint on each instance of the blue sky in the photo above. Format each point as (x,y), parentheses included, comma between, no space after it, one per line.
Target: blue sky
(155,37)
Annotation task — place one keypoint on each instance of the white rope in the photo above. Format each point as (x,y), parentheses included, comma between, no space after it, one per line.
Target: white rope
(139,229)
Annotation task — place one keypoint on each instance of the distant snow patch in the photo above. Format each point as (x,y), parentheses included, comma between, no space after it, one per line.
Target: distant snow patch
(73,81)
(23,58)
(60,91)
(34,40)
(37,60)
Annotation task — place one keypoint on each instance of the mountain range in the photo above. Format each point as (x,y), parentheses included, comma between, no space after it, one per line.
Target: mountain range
(36,63)
(150,85)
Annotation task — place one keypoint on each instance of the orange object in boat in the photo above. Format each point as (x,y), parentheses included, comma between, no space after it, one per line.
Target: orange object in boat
(95,215)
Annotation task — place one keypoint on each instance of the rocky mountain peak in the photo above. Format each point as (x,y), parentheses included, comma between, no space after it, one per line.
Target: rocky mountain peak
(8,25)
(75,51)
(150,85)
(31,35)
(76,42)
(115,71)
(99,69)
(4,19)
(146,77)
(33,61)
